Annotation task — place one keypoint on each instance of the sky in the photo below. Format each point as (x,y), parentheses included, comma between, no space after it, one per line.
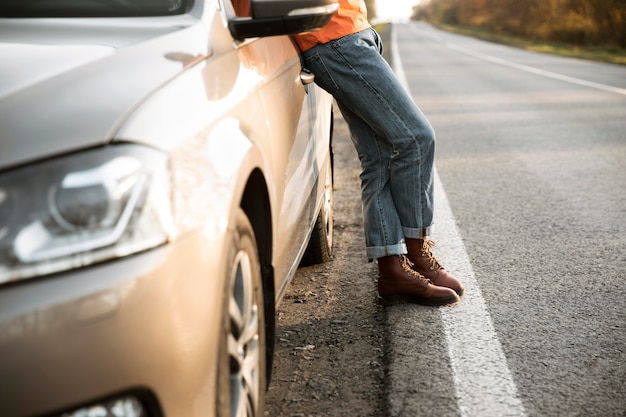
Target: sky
(394,9)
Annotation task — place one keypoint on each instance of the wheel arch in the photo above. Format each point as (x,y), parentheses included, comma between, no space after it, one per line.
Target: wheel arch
(255,202)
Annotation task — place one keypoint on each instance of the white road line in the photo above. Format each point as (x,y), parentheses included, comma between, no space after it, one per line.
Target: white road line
(527,68)
(483,383)
(533,70)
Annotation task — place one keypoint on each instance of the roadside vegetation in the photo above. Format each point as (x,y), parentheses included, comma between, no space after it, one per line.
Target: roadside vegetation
(588,29)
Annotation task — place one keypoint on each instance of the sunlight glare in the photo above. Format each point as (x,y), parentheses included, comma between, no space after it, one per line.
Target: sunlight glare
(395,10)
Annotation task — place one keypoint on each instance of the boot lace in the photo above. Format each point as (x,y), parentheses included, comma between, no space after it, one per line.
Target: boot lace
(427,253)
(407,266)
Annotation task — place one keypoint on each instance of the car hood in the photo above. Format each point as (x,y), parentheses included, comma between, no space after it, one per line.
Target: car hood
(68,84)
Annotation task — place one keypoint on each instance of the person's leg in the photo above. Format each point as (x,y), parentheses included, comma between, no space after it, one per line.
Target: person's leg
(383,229)
(394,140)
(395,144)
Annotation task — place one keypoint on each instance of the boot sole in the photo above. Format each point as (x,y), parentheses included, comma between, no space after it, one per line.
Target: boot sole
(412,299)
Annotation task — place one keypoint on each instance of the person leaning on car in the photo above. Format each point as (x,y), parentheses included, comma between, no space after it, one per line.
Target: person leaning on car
(396,146)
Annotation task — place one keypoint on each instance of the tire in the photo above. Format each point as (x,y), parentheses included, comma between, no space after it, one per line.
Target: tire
(320,247)
(242,378)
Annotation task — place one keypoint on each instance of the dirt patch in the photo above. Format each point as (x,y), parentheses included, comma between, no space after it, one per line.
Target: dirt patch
(330,330)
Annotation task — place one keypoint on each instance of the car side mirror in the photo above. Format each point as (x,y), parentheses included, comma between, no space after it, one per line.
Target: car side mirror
(280,17)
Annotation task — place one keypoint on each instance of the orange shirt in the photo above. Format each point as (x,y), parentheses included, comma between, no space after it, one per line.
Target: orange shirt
(351,17)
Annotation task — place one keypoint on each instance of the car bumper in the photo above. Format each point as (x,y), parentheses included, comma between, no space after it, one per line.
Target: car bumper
(147,322)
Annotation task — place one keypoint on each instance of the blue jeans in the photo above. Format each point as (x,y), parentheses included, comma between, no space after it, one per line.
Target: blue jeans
(394,140)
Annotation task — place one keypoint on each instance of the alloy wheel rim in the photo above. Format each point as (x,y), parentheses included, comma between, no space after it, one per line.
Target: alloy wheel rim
(243,340)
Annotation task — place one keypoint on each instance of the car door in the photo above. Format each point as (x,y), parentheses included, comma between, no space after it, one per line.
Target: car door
(289,103)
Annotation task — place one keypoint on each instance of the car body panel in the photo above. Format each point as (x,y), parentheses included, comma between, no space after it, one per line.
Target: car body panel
(99,331)
(222,111)
(218,122)
(65,83)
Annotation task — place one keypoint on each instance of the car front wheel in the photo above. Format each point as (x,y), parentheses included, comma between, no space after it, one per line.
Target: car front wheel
(242,370)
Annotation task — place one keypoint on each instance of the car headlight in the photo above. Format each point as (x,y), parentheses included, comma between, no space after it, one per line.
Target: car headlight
(83,208)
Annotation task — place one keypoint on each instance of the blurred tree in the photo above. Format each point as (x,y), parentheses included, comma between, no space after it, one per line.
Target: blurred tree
(579,22)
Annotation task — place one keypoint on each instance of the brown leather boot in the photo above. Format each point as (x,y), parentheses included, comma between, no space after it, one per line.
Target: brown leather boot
(424,262)
(398,283)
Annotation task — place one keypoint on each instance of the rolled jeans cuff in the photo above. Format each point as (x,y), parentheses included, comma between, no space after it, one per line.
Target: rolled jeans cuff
(417,233)
(375,252)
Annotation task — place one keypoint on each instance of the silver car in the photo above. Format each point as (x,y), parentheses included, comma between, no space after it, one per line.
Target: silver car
(165,167)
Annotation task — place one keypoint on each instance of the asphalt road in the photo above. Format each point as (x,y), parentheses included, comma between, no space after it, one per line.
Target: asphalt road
(532,159)
(530,214)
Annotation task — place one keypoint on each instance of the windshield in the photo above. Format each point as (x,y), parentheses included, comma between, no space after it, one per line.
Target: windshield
(90,8)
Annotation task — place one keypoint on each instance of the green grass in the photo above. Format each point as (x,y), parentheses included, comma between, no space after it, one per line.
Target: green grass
(612,55)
